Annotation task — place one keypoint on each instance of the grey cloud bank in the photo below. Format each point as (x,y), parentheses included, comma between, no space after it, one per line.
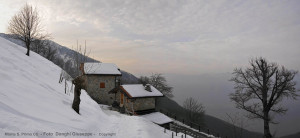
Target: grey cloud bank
(205,36)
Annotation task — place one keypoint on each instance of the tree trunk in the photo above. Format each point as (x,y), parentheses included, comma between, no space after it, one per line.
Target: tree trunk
(76,101)
(65,86)
(27,51)
(267,133)
(27,45)
(79,83)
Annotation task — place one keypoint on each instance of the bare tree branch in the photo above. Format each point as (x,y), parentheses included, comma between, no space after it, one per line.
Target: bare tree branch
(26,26)
(194,110)
(159,82)
(261,87)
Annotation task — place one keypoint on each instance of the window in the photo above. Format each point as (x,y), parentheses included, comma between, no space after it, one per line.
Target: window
(102,85)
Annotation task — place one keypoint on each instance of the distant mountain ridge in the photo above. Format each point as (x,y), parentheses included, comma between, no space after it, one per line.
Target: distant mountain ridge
(64,57)
(215,125)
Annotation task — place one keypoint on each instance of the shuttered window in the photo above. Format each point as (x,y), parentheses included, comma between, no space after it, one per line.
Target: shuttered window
(102,85)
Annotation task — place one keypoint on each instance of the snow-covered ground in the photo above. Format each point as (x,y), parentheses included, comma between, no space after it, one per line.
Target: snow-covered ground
(33,103)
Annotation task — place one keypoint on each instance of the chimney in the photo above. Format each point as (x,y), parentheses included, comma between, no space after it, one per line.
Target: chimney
(148,87)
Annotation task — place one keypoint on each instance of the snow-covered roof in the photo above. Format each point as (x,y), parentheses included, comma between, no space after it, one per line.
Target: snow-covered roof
(101,68)
(138,90)
(158,118)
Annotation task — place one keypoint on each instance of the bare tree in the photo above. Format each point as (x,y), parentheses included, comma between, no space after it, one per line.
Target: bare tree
(50,53)
(67,77)
(238,123)
(80,56)
(144,80)
(261,87)
(194,110)
(26,26)
(44,48)
(159,82)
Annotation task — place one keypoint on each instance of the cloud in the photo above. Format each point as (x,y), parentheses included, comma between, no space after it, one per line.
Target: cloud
(205,36)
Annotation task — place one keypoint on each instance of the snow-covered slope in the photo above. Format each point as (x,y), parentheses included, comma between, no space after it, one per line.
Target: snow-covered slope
(33,102)
(64,58)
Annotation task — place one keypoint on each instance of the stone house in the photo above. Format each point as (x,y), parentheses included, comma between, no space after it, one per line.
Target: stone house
(137,99)
(102,83)
(100,78)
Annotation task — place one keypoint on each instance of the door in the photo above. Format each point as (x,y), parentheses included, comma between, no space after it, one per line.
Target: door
(122,98)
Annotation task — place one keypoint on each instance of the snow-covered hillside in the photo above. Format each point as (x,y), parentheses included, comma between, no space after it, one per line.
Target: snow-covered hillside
(33,102)
(64,57)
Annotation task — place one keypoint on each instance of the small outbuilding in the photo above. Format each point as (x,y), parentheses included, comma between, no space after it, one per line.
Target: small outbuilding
(136,99)
(158,118)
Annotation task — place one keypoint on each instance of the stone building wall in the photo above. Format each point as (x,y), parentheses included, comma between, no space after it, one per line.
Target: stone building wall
(144,103)
(117,96)
(101,95)
(138,103)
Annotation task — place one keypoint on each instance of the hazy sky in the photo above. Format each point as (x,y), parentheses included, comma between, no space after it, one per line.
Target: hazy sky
(195,43)
(181,37)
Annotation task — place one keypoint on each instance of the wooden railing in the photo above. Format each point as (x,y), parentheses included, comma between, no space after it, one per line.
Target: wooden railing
(190,127)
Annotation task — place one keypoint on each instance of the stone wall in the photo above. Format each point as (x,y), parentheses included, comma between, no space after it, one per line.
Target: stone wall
(138,103)
(101,95)
(144,104)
